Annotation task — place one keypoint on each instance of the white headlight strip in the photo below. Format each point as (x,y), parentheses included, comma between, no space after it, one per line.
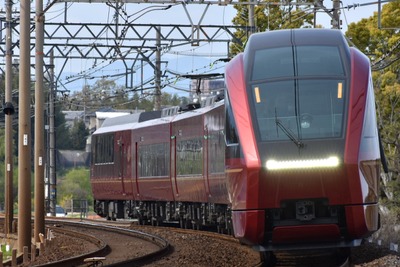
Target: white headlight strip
(303,164)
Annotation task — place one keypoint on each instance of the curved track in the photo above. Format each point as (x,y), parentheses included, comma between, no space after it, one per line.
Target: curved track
(309,258)
(111,242)
(299,258)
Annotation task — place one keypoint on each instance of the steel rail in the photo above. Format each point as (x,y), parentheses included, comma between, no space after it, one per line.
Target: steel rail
(160,242)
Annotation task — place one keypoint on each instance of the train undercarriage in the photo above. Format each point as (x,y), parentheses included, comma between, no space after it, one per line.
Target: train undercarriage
(189,215)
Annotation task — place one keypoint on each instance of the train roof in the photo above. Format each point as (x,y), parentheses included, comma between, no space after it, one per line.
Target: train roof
(199,111)
(145,119)
(296,37)
(132,118)
(126,122)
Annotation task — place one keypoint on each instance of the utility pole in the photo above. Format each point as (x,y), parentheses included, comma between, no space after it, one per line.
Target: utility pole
(39,123)
(8,111)
(157,96)
(24,131)
(251,19)
(336,14)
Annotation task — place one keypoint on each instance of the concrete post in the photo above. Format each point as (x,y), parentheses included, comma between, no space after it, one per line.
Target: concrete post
(24,127)
(39,123)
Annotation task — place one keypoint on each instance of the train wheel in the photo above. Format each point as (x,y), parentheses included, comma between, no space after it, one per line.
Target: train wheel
(345,255)
(183,223)
(142,221)
(155,221)
(267,258)
(229,231)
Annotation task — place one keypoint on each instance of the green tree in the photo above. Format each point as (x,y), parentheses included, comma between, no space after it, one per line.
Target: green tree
(269,17)
(106,93)
(2,170)
(78,135)
(63,139)
(170,100)
(74,184)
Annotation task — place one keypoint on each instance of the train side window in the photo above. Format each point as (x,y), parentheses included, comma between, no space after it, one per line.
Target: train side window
(216,148)
(189,156)
(153,160)
(231,136)
(104,149)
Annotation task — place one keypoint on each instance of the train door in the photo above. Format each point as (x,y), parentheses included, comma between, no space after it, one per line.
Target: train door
(136,170)
(173,168)
(123,165)
(206,155)
(120,160)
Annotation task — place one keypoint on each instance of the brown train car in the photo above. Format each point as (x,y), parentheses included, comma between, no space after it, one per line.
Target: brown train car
(163,168)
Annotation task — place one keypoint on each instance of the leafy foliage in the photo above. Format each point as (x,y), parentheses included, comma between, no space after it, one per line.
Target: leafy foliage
(78,135)
(63,139)
(106,93)
(2,171)
(74,184)
(269,18)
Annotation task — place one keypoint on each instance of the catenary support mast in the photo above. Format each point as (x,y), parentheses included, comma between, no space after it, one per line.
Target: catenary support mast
(24,127)
(39,123)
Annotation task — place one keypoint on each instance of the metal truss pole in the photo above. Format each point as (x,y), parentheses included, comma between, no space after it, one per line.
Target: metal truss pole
(157,72)
(9,196)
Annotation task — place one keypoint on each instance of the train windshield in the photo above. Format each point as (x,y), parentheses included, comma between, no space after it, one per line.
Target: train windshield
(302,96)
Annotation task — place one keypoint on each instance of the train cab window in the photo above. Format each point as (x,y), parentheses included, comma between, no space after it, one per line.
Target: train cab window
(272,63)
(307,109)
(299,92)
(318,61)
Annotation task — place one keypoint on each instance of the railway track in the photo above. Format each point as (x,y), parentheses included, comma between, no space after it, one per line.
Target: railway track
(312,258)
(300,258)
(184,248)
(78,243)
(117,246)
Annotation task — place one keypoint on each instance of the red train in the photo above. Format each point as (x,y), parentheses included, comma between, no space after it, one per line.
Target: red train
(163,167)
(291,158)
